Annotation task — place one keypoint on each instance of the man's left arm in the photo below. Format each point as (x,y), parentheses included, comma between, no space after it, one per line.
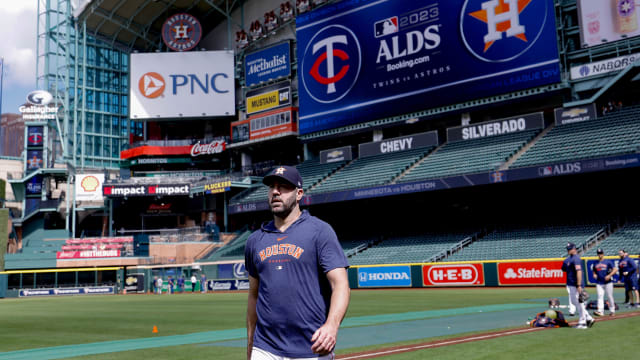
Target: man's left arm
(324,339)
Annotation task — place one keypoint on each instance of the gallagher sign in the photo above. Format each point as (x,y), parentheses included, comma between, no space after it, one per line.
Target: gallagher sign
(453,275)
(359,62)
(182,84)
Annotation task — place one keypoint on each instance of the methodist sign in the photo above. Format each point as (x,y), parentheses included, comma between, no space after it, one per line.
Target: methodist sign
(268,64)
(182,84)
(364,61)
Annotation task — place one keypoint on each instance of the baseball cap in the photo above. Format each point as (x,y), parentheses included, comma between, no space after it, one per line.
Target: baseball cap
(600,251)
(287,173)
(571,246)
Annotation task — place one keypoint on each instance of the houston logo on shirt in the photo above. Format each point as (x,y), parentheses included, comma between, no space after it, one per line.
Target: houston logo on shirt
(281,249)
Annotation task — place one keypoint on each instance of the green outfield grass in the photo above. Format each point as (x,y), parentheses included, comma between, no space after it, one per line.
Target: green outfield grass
(48,322)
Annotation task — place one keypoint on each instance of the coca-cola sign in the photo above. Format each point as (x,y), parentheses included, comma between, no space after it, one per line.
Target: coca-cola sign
(215,147)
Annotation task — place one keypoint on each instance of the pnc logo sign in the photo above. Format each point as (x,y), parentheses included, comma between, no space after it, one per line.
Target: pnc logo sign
(331,63)
(151,85)
(501,30)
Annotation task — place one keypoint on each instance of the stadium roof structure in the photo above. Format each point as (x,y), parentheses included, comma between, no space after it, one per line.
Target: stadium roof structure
(136,24)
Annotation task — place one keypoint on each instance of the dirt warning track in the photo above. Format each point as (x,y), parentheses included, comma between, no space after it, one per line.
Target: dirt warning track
(457,340)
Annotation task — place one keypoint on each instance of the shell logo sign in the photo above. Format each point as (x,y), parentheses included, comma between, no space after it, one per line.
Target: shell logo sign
(89,187)
(151,85)
(90,183)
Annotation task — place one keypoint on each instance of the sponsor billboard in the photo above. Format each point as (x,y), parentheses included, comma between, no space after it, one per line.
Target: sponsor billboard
(531,273)
(87,254)
(269,97)
(403,143)
(35,136)
(453,275)
(335,155)
(359,62)
(146,190)
(575,114)
(89,187)
(201,147)
(134,283)
(226,285)
(34,186)
(182,84)
(267,64)
(605,21)
(34,159)
(271,123)
(217,187)
(37,107)
(496,127)
(232,271)
(384,276)
(602,67)
(95,290)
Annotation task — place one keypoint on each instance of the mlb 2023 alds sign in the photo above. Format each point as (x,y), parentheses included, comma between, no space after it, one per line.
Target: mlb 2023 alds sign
(453,275)
(531,273)
(359,62)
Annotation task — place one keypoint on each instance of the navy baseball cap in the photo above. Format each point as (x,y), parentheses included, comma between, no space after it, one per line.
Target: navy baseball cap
(600,251)
(571,246)
(287,173)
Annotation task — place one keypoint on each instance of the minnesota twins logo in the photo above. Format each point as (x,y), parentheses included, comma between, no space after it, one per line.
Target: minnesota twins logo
(181,32)
(331,63)
(501,30)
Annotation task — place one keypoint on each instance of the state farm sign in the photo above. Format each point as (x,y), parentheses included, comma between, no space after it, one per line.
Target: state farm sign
(453,275)
(531,273)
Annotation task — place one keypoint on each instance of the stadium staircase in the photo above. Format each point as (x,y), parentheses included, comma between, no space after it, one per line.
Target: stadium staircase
(526,148)
(467,157)
(39,250)
(371,171)
(614,134)
(625,237)
(233,250)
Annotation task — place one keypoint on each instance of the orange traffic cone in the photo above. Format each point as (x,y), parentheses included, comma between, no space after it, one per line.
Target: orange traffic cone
(155,329)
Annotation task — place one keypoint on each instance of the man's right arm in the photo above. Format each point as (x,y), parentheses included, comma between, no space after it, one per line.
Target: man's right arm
(252,315)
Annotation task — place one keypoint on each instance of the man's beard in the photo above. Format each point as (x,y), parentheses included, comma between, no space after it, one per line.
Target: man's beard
(285,209)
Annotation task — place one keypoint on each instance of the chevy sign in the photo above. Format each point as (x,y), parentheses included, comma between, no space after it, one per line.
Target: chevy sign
(384,276)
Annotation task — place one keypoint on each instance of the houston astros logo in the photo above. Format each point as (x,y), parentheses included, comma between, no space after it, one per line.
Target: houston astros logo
(181,32)
(331,63)
(151,85)
(501,30)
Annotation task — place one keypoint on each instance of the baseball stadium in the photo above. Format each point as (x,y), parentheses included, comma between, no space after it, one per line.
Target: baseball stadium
(461,150)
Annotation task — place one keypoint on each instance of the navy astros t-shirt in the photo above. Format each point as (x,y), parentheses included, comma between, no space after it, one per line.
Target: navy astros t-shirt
(294,293)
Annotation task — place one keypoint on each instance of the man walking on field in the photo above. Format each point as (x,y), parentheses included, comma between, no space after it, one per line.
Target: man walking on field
(298,286)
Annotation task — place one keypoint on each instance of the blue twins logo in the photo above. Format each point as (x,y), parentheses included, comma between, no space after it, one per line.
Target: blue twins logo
(331,64)
(502,30)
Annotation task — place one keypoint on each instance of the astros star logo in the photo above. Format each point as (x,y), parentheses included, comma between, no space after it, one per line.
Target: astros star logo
(34,162)
(501,16)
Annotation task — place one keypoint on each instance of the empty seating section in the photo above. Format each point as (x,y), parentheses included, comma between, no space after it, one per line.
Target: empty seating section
(526,243)
(351,245)
(471,156)
(311,172)
(407,249)
(234,250)
(626,237)
(617,133)
(371,171)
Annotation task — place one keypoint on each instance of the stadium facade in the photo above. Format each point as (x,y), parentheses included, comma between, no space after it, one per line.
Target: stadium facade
(170,112)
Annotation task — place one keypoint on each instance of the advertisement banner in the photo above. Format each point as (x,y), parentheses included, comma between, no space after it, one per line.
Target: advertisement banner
(232,271)
(453,275)
(364,61)
(496,127)
(575,114)
(384,276)
(272,123)
(182,84)
(269,97)
(34,186)
(146,190)
(94,290)
(86,254)
(531,273)
(218,187)
(399,144)
(267,64)
(34,159)
(35,136)
(134,283)
(335,155)
(227,285)
(603,21)
(89,187)
(603,67)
